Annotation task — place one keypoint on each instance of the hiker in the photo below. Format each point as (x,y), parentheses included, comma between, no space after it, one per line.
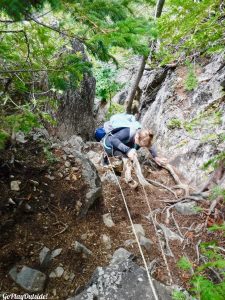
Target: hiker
(126,141)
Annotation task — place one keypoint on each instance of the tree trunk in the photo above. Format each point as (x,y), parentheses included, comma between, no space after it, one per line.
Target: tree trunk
(75,115)
(159,8)
(133,89)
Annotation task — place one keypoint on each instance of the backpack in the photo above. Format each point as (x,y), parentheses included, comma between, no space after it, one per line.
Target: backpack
(99,133)
(117,122)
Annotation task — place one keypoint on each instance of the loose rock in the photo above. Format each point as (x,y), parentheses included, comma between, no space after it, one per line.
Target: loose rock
(106,241)
(186,209)
(56,252)
(80,248)
(109,176)
(43,254)
(67,164)
(15,185)
(29,279)
(107,219)
(170,234)
(139,230)
(146,243)
(120,255)
(57,273)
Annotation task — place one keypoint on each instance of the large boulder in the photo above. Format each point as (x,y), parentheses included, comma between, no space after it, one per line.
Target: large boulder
(122,279)
(191,140)
(93,186)
(75,114)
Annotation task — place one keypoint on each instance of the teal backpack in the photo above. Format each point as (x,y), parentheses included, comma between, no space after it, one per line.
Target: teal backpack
(117,122)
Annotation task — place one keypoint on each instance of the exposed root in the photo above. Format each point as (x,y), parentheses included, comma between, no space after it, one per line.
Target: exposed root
(211,209)
(156,183)
(184,199)
(177,226)
(127,167)
(58,222)
(133,184)
(183,187)
(176,178)
(138,171)
(197,251)
(63,230)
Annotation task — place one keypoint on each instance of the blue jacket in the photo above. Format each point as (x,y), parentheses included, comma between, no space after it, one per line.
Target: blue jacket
(123,140)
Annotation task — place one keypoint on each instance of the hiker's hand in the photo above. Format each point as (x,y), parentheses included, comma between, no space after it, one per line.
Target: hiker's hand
(132,154)
(161,161)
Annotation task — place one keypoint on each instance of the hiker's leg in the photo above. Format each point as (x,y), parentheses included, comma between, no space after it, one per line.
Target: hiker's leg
(118,153)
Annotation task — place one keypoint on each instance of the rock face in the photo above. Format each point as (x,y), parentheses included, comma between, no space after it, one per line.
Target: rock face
(190,141)
(122,279)
(90,177)
(75,115)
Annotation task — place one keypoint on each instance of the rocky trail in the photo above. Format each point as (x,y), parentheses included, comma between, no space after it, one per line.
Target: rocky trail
(61,219)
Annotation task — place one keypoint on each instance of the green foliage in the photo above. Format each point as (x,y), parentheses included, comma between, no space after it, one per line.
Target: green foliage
(214,161)
(217,191)
(187,27)
(3,138)
(178,295)
(174,123)
(181,143)
(202,285)
(49,155)
(17,9)
(73,70)
(22,122)
(197,209)
(184,263)
(216,227)
(114,109)
(106,85)
(38,57)
(204,120)
(205,289)
(211,137)
(191,81)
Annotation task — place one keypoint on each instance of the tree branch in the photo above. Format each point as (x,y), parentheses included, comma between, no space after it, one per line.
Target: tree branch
(31,71)
(26,39)
(55,29)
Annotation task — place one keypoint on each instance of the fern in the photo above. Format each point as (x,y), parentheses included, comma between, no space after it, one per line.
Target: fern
(184,263)
(205,289)
(178,295)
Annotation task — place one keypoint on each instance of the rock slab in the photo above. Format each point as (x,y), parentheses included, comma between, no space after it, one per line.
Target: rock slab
(122,280)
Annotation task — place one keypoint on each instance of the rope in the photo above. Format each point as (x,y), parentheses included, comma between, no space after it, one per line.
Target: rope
(137,168)
(158,236)
(136,237)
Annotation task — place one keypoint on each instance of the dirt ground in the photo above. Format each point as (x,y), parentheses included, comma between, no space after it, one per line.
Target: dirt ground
(44,214)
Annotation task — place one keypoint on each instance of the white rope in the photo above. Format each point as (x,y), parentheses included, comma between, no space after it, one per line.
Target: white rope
(135,234)
(142,181)
(158,236)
